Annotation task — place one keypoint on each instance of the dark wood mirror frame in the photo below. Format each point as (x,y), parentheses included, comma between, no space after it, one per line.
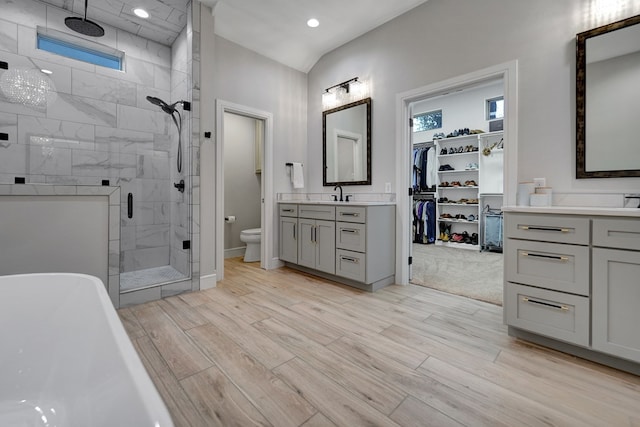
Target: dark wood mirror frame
(325,181)
(581,101)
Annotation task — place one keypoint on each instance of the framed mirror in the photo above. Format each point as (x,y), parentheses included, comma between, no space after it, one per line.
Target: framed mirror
(346,144)
(608,100)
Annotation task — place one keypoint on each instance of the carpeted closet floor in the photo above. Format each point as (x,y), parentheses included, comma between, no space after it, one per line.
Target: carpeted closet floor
(473,274)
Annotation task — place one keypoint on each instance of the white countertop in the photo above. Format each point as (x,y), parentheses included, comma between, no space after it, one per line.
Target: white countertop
(575,210)
(331,202)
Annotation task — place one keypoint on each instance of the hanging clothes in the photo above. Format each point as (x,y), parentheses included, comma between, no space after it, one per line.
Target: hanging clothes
(424,221)
(424,174)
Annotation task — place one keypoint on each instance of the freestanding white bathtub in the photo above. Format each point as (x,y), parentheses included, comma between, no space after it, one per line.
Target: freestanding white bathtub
(66,360)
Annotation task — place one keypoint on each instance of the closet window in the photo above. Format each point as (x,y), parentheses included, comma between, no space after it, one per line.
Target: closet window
(427,121)
(495,108)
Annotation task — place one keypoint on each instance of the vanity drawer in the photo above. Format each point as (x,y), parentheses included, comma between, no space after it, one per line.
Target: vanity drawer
(351,236)
(617,233)
(351,265)
(317,212)
(288,210)
(351,214)
(547,228)
(553,314)
(563,268)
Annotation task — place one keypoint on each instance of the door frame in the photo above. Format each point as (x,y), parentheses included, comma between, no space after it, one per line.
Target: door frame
(266,214)
(508,71)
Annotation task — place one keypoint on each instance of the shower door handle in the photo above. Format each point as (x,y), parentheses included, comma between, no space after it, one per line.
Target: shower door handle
(130,205)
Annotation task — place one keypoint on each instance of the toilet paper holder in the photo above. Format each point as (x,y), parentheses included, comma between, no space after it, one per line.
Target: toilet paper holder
(230,219)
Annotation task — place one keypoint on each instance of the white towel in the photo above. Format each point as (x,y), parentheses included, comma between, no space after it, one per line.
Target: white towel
(297,177)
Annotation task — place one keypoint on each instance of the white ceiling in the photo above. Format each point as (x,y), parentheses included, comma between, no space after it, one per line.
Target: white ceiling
(276,29)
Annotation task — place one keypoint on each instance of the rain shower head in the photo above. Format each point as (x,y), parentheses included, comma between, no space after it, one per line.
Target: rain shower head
(83,25)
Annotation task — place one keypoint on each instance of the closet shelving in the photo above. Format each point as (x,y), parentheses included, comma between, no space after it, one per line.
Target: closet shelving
(459,199)
(485,171)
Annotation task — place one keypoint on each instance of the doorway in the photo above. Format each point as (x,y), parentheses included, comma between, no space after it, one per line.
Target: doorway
(458,190)
(243,140)
(508,73)
(260,158)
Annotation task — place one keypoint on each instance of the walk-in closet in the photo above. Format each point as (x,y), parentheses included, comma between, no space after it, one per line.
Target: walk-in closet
(457,184)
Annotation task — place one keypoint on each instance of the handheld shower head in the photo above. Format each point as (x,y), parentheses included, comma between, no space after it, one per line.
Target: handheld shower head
(169,109)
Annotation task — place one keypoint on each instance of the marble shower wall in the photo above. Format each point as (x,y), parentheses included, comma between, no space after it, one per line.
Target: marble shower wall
(100,127)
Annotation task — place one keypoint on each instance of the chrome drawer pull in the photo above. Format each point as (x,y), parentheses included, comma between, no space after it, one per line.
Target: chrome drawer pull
(556,257)
(287,210)
(353,260)
(534,228)
(348,230)
(349,214)
(546,304)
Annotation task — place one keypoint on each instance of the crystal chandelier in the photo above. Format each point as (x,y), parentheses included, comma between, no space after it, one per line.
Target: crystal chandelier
(27,86)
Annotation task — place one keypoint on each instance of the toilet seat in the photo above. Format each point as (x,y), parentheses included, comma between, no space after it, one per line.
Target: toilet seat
(251,231)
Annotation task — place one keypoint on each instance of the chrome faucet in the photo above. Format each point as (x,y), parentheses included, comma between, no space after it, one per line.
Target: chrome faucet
(334,189)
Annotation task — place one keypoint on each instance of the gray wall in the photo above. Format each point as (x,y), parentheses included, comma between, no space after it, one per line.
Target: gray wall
(447,38)
(235,74)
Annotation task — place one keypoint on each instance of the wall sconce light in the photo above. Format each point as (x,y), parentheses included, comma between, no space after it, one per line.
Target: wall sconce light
(346,92)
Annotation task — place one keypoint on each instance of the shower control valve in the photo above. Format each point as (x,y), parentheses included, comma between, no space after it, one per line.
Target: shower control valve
(180,185)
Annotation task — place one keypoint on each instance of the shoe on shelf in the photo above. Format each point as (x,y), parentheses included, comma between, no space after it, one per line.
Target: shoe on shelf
(465,237)
(471,217)
(452,150)
(443,151)
(445,216)
(456,184)
(445,168)
(443,200)
(444,184)
(471,183)
(474,239)
(457,237)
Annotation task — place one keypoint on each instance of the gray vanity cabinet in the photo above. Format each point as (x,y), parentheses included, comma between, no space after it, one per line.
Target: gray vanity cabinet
(317,244)
(616,287)
(352,244)
(289,233)
(317,239)
(547,276)
(575,278)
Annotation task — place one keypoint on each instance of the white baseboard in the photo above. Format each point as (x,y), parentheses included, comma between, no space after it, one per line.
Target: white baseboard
(209,281)
(234,252)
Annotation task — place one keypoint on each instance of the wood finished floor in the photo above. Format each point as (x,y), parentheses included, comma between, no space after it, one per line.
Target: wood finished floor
(281,348)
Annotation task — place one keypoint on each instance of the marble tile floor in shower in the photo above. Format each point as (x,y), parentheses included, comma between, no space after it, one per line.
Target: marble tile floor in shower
(142,278)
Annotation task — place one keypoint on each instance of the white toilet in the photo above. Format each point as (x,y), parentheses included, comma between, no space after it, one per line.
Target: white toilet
(252,238)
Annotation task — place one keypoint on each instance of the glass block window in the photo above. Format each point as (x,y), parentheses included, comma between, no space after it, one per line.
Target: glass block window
(495,108)
(92,55)
(427,121)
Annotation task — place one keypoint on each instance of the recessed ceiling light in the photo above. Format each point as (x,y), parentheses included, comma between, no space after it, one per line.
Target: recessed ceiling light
(313,22)
(141,13)
(44,70)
